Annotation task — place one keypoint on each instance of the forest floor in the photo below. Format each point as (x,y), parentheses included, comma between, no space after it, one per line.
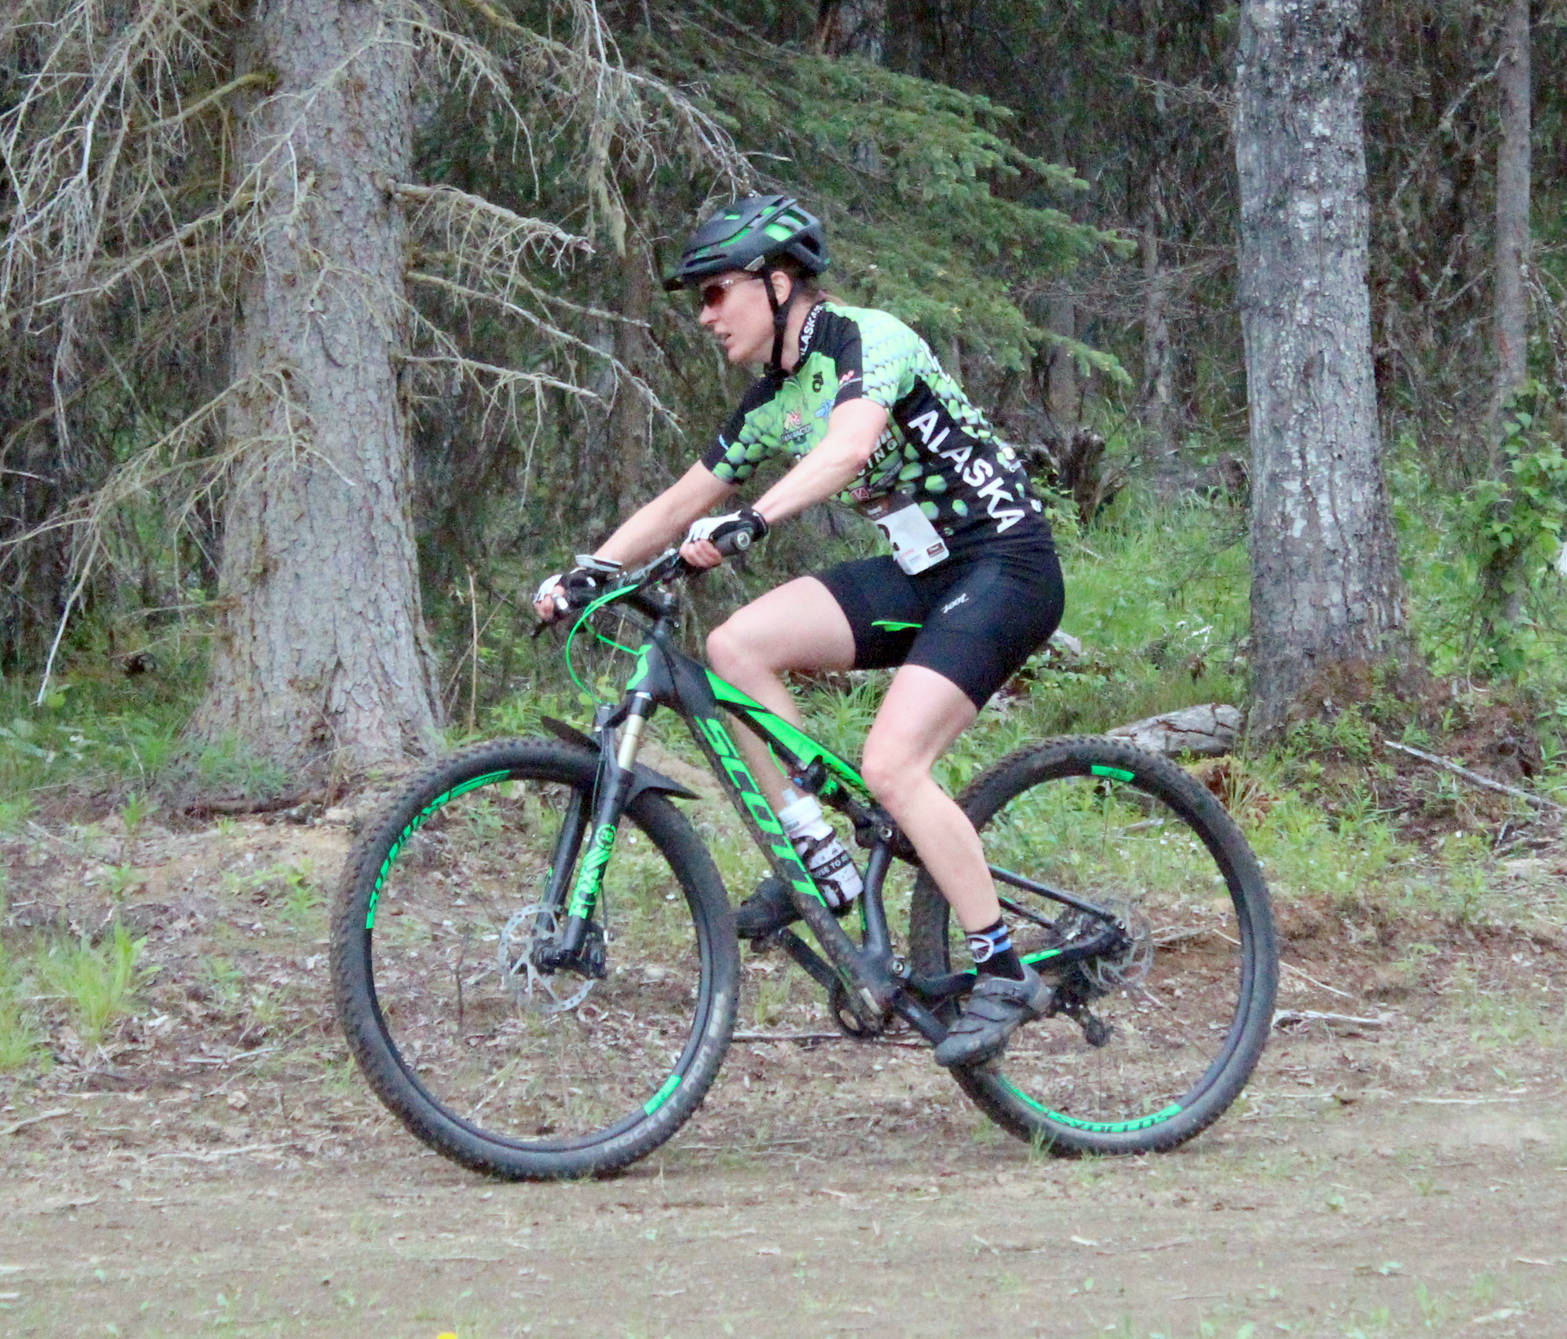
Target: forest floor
(216,1165)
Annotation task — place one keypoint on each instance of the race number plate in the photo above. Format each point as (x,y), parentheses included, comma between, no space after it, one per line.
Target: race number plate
(915,543)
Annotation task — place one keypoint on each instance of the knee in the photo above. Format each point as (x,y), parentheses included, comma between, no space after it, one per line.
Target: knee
(892,774)
(730,651)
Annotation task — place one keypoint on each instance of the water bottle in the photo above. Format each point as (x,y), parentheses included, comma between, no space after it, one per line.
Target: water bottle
(827,859)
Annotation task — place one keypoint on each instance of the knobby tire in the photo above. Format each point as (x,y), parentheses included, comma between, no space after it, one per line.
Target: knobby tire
(503,1071)
(1180,1015)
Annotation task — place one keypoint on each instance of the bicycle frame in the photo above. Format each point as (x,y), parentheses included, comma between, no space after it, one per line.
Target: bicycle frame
(876,981)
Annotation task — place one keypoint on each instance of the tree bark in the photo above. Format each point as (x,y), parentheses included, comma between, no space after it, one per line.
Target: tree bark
(1206,731)
(1064,395)
(852,27)
(1156,394)
(1512,203)
(1325,586)
(321,654)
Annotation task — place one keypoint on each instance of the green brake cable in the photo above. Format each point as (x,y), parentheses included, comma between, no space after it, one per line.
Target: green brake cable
(608,641)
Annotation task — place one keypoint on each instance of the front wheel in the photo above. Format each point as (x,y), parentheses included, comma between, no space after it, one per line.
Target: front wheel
(500,1064)
(1157,1027)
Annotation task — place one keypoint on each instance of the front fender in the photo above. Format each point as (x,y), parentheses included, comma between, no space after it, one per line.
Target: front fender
(643,777)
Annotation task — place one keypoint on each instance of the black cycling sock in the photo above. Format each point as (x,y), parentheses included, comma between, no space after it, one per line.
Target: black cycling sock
(993,952)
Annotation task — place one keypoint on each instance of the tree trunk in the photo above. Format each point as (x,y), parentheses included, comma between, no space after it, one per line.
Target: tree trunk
(1156,394)
(1512,203)
(852,27)
(855,28)
(1502,577)
(321,654)
(1325,587)
(617,443)
(1063,394)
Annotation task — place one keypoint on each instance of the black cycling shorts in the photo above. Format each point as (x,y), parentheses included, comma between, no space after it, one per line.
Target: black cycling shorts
(974,620)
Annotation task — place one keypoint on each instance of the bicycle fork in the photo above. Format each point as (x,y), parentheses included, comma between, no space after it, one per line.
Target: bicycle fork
(579,947)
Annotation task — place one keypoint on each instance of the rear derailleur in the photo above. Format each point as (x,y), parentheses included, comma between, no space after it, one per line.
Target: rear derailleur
(1071,998)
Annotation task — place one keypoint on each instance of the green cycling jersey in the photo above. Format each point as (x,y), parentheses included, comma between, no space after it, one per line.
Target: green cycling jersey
(937,449)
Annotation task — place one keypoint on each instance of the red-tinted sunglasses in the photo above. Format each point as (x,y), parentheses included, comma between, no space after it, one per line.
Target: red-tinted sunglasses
(710,295)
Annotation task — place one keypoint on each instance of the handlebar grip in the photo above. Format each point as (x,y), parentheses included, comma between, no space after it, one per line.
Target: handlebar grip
(736,541)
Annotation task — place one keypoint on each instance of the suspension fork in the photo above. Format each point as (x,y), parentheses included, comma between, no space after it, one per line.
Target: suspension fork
(611,790)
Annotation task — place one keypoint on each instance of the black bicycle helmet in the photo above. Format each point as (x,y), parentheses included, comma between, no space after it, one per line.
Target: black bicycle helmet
(747,235)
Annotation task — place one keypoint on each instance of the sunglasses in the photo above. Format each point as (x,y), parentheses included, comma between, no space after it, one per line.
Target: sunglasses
(710,295)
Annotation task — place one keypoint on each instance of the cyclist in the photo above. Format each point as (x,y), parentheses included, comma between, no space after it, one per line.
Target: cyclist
(857,402)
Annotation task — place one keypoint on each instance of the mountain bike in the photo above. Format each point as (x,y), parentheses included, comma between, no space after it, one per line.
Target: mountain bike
(535,964)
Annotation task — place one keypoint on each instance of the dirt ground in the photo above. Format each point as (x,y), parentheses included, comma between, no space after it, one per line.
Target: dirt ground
(215,1164)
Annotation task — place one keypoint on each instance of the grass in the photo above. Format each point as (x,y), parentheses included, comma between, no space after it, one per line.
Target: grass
(22,1033)
(101,735)
(97,982)
(289,887)
(56,978)
(1158,597)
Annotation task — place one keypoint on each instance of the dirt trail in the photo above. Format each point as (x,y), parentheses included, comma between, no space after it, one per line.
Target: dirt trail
(219,1167)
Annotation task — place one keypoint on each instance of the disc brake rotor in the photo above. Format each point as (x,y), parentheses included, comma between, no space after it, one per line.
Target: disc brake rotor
(1130,964)
(530,988)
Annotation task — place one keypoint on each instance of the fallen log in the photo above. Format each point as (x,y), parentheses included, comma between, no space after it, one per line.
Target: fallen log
(1207,731)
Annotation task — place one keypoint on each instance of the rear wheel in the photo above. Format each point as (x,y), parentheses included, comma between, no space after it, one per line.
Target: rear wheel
(1156,1031)
(499,1064)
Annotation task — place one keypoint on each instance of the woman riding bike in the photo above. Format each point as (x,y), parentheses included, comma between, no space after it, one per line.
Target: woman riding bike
(859,404)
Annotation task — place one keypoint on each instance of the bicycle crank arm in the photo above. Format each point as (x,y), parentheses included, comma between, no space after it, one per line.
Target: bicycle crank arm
(807,958)
(873,992)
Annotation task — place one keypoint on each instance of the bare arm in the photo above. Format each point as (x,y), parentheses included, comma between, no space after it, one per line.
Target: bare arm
(659,523)
(852,433)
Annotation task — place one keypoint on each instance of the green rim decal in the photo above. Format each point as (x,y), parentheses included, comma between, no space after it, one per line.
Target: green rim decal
(1042,955)
(1096,1126)
(473,783)
(892,625)
(1115,773)
(662,1095)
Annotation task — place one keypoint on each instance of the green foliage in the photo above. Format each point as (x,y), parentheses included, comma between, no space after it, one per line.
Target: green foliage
(933,209)
(97,982)
(1510,633)
(290,887)
(1157,594)
(1515,522)
(92,732)
(21,1031)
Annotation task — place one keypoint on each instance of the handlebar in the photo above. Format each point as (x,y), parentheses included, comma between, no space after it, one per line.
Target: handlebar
(635,586)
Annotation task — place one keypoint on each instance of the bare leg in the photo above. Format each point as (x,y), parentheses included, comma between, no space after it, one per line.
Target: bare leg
(797,626)
(921,715)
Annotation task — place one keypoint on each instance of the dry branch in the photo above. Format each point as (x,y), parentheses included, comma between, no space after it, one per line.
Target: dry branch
(1283,1018)
(1475,779)
(129,210)
(17,1126)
